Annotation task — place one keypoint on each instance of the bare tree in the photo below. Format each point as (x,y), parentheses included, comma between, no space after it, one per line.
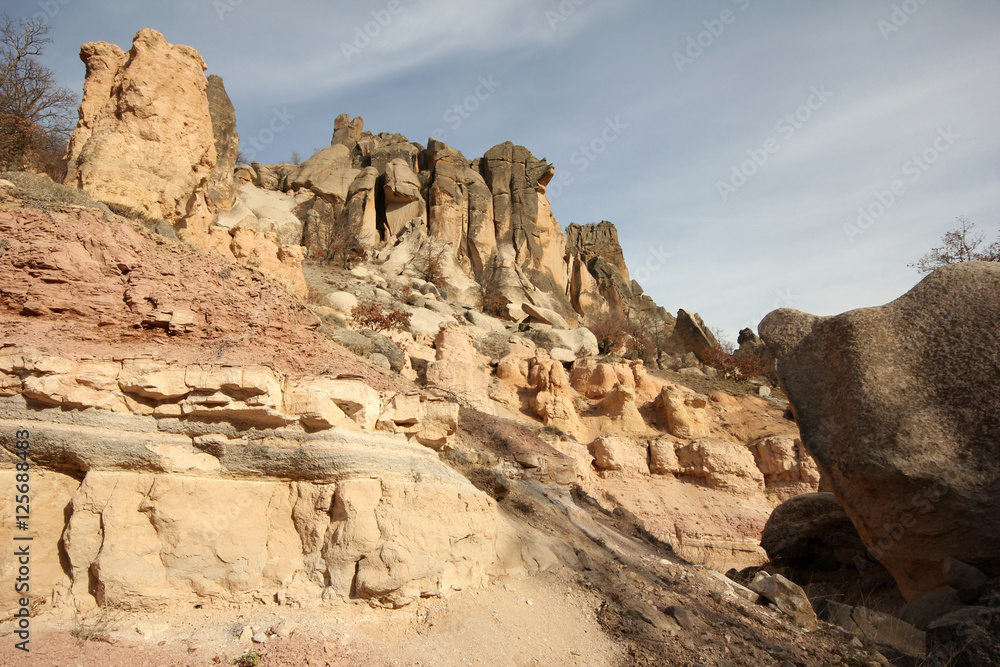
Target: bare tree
(36,115)
(725,342)
(344,243)
(492,300)
(961,244)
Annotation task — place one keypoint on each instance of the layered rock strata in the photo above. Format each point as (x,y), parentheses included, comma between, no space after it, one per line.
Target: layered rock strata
(163,483)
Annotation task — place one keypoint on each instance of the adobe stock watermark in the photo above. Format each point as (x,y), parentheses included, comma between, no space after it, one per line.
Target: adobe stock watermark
(697,44)
(223,7)
(280,120)
(565,9)
(900,16)
(458,113)
(655,261)
(783,298)
(587,155)
(49,9)
(786,126)
(921,504)
(914,169)
(363,35)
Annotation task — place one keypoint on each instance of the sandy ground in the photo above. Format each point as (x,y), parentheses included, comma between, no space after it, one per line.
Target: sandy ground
(546,620)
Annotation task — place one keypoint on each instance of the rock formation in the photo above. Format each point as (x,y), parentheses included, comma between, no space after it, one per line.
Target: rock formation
(227,481)
(894,403)
(145,138)
(492,227)
(599,278)
(158,137)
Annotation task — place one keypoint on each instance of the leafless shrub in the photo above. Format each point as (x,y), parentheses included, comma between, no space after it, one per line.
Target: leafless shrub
(492,300)
(370,315)
(746,366)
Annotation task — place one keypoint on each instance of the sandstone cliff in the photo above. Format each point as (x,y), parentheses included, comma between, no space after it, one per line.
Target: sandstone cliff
(158,137)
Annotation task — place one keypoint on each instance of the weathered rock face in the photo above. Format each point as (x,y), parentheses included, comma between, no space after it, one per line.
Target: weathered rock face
(897,405)
(690,333)
(722,464)
(220,192)
(599,279)
(786,465)
(145,138)
(554,400)
(461,208)
(682,412)
(522,216)
(156,136)
(232,482)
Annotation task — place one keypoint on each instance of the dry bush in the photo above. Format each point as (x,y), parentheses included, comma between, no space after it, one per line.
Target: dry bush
(18,137)
(345,243)
(745,366)
(370,315)
(637,335)
(640,339)
(432,264)
(36,115)
(492,300)
(610,331)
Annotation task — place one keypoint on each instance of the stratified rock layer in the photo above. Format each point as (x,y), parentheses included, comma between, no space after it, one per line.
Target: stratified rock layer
(166,482)
(899,406)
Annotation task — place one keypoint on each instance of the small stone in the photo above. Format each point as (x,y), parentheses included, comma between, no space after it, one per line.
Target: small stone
(683,617)
(260,638)
(246,634)
(283,628)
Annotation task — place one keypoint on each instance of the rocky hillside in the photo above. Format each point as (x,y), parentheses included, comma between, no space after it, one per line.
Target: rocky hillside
(264,401)
(157,136)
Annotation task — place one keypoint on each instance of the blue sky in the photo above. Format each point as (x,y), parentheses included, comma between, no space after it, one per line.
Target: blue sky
(734,143)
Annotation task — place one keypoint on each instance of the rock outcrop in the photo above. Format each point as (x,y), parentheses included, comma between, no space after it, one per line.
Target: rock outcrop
(691,334)
(145,138)
(897,405)
(157,137)
(492,229)
(202,481)
(599,277)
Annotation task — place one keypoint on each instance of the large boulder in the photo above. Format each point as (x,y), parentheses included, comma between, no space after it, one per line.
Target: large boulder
(787,596)
(899,406)
(682,412)
(581,340)
(691,335)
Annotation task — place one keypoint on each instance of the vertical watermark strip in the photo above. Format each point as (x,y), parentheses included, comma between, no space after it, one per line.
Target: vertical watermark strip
(22,541)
